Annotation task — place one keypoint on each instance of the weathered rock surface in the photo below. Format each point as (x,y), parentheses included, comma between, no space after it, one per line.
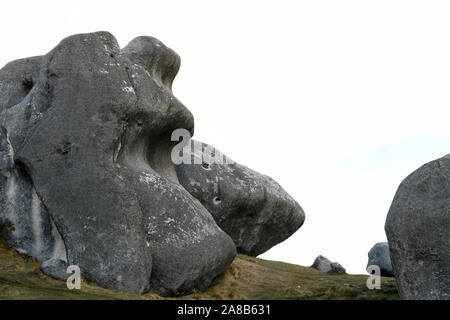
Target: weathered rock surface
(85,167)
(418,232)
(27,226)
(336,268)
(379,256)
(251,208)
(56,268)
(324,265)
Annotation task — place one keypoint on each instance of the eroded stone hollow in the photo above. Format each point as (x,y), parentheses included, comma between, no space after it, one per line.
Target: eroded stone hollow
(86,177)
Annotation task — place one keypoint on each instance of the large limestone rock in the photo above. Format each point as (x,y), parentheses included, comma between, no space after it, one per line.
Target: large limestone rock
(85,170)
(379,256)
(418,231)
(250,207)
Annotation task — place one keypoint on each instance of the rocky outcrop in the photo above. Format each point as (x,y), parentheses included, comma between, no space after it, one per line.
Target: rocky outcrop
(324,265)
(418,232)
(250,207)
(85,168)
(87,177)
(379,256)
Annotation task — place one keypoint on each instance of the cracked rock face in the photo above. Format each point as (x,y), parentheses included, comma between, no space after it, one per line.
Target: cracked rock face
(379,256)
(418,232)
(85,170)
(250,207)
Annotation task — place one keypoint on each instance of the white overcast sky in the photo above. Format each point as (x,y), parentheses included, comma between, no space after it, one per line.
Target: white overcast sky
(336,100)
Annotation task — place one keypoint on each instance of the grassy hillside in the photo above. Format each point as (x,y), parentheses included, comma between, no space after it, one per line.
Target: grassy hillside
(247,278)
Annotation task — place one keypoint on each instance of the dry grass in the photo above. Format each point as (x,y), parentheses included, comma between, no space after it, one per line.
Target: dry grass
(20,278)
(247,278)
(253,278)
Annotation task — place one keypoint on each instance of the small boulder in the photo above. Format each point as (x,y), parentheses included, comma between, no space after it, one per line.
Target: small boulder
(324,265)
(336,268)
(55,268)
(379,256)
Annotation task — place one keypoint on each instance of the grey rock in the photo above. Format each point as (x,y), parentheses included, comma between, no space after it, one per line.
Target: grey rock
(56,268)
(324,265)
(418,231)
(27,226)
(253,209)
(87,142)
(379,256)
(17,79)
(336,268)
